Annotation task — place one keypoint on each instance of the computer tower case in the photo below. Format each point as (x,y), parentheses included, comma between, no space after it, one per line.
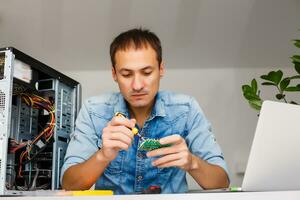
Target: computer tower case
(38,108)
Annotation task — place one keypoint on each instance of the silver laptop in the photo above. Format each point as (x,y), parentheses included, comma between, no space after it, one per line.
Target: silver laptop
(274,160)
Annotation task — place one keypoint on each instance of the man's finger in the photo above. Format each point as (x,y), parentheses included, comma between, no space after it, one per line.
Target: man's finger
(121,137)
(122,121)
(172,139)
(116,144)
(163,151)
(122,130)
(175,163)
(166,159)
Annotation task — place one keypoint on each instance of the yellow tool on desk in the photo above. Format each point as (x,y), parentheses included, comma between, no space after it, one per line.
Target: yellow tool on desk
(68,193)
(92,192)
(134,130)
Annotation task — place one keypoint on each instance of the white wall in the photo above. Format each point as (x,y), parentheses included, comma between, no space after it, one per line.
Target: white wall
(210,47)
(218,91)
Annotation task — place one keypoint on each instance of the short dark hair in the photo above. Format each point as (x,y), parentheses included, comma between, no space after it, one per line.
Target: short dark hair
(136,38)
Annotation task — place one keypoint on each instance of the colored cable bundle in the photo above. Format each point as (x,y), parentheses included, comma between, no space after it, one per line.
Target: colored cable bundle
(15,146)
(37,102)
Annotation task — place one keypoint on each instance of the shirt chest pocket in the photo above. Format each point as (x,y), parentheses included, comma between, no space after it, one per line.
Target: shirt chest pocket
(115,166)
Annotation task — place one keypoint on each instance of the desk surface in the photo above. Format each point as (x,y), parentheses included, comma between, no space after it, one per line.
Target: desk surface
(278,195)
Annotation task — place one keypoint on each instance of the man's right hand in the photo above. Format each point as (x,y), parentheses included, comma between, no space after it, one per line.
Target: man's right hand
(116,136)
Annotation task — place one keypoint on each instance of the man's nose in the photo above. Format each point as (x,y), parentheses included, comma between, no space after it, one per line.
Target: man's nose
(137,83)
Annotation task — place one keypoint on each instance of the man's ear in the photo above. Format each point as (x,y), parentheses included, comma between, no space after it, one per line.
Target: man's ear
(113,73)
(161,69)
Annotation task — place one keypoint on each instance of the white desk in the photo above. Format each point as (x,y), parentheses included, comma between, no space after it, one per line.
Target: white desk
(279,195)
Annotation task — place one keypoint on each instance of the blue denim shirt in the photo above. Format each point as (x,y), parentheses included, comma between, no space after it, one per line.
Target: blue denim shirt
(131,171)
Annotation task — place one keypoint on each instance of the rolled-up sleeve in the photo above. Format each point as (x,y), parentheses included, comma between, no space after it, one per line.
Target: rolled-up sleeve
(83,141)
(200,139)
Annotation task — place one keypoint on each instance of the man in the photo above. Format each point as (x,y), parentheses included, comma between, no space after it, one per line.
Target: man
(104,151)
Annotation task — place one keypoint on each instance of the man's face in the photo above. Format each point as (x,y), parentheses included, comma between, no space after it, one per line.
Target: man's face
(138,74)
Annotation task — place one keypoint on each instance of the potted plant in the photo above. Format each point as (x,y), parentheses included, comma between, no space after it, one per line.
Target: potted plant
(275,79)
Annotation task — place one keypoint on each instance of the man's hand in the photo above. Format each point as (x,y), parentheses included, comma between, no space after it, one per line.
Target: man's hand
(177,155)
(116,136)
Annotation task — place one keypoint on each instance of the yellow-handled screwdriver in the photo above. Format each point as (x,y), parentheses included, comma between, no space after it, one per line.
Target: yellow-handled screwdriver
(134,130)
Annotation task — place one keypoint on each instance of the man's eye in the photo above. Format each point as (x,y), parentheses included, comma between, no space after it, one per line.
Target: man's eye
(125,75)
(147,72)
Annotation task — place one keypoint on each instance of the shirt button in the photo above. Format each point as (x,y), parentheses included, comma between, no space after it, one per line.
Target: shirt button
(139,178)
(140,155)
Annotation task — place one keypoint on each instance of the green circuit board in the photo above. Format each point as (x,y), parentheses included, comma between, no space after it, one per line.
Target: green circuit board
(151,144)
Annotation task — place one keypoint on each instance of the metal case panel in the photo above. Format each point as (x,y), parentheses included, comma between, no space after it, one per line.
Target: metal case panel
(5,111)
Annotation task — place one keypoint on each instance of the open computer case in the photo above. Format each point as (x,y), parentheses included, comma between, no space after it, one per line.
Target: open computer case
(38,108)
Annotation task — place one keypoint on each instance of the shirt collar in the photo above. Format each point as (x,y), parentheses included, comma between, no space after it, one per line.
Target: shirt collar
(121,106)
(159,107)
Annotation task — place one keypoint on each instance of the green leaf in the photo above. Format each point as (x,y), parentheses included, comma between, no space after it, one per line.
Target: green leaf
(251,96)
(284,83)
(256,104)
(297,66)
(254,85)
(293,102)
(294,77)
(268,83)
(265,77)
(296,58)
(297,43)
(246,88)
(293,89)
(280,96)
(249,92)
(273,76)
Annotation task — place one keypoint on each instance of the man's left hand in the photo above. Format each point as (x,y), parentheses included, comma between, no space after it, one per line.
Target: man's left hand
(177,155)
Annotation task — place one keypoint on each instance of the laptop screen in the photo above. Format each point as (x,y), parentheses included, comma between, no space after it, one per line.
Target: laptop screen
(274,161)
